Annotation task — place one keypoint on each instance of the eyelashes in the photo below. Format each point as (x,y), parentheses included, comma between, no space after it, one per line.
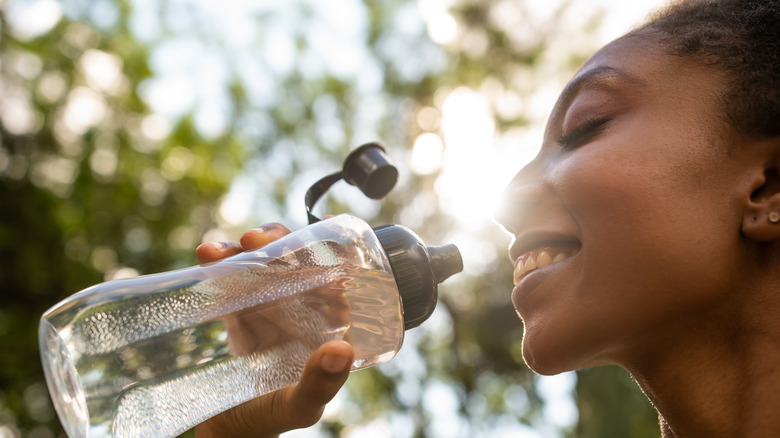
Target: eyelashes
(582,134)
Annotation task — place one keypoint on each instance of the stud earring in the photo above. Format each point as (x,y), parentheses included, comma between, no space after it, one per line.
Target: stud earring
(774,217)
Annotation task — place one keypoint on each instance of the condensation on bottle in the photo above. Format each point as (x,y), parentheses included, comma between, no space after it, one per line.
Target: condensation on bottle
(155,355)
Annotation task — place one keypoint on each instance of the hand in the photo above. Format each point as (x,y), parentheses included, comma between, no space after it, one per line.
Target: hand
(293,407)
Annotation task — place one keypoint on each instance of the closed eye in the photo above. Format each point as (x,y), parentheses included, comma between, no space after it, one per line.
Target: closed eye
(582,134)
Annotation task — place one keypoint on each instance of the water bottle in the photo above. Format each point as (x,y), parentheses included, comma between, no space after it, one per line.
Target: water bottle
(157,354)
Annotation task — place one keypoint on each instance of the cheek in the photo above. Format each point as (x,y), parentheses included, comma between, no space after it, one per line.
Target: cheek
(655,246)
(659,202)
(618,195)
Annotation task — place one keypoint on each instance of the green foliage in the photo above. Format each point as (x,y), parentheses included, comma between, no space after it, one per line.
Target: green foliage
(94,186)
(606,393)
(87,196)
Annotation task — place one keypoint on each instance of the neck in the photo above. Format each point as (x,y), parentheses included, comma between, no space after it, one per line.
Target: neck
(721,374)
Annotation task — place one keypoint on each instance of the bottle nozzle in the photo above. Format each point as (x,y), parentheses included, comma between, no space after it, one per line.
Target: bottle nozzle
(417,269)
(445,261)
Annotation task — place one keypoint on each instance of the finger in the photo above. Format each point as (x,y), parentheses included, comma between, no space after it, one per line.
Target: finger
(213,251)
(293,407)
(325,372)
(253,418)
(257,237)
(323,375)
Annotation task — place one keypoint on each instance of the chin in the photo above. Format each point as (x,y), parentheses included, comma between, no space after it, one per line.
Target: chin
(545,362)
(546,357)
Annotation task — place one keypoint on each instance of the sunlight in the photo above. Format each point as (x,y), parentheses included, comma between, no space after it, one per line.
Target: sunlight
(442,28)
(234,209)
(427,153)
(468,187)
(84,109)
(103,71)
(17,112)
(155,127)
(30,19)
(477,160)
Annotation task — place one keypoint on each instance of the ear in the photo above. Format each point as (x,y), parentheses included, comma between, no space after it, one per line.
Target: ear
(761,220)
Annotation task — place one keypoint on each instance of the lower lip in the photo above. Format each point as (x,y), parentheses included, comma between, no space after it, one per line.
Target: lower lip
(531,281)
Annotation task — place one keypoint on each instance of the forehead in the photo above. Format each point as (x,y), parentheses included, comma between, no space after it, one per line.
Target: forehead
(637,64)
(631,49)
(641,55)
(633,60)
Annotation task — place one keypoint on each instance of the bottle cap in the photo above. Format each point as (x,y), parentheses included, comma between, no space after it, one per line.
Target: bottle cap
(418,269)
(368,168)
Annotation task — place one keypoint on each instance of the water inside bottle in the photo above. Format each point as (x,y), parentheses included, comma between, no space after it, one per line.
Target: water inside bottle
(160,363)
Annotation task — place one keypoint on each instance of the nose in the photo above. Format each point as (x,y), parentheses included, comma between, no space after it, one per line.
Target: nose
(521,197)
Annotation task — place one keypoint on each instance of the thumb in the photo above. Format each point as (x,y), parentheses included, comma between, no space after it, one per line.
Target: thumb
(296,406)
(324,374)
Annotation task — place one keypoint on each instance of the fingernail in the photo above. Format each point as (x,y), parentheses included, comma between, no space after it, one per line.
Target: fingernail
(334,364)
(219,245)
(260,229)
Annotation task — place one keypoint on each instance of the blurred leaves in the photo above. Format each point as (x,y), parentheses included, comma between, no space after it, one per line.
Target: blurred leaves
(116,161)
(93,186)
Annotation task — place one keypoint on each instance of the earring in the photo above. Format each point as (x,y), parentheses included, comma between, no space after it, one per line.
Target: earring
(774,217)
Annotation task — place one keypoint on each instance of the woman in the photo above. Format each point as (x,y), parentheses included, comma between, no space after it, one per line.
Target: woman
(647,230)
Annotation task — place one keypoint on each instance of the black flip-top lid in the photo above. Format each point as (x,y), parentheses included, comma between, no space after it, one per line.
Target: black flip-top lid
(418,269)
(368,168)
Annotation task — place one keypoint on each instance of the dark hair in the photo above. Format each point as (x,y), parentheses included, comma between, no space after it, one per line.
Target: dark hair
(742,37)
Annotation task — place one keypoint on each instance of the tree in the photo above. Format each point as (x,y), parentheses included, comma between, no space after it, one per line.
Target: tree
(93,186)
(102,177)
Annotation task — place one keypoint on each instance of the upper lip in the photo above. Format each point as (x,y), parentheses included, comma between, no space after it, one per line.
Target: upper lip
(535,239)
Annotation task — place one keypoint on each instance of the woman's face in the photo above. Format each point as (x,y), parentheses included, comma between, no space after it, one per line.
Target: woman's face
(630,210)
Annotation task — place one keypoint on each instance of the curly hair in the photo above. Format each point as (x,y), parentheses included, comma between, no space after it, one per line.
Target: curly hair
(742,37)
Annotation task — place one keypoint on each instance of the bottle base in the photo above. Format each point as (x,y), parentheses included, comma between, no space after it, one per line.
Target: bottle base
(64,385)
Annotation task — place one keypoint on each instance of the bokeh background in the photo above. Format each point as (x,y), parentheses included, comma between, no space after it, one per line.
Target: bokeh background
(133,130)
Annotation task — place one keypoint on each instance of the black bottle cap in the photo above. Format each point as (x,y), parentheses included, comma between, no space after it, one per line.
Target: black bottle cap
(418,270)
(368,168)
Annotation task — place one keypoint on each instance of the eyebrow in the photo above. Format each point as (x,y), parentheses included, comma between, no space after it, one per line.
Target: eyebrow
(594,77)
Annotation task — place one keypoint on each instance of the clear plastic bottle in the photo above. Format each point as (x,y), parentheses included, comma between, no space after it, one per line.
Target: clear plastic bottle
(155,355)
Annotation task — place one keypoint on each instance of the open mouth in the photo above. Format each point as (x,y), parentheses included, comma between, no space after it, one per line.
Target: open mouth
(540,258)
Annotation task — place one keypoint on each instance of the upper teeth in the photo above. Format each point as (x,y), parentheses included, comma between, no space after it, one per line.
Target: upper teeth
(528,263)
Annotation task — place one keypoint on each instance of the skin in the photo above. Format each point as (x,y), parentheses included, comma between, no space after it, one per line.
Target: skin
(674,268)
(673,279)
(297,406)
